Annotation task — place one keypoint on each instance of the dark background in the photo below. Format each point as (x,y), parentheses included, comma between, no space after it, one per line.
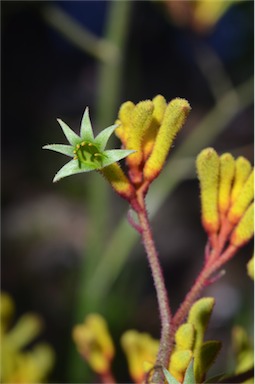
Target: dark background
(44,226)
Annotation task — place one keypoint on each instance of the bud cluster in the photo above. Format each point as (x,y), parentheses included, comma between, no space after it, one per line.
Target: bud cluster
(149,128)
(227,194)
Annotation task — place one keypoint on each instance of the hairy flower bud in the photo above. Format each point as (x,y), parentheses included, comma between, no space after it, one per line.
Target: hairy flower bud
(160,105)
(244,231)
(243,200)
(208,165)
(119,182)
(94,342)
(227,171)
(175,115)
(140,121)
(242,170)
(124,121)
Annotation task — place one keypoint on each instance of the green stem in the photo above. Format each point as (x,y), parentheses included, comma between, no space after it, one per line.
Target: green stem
(78,35)
(111,73)
(162,296)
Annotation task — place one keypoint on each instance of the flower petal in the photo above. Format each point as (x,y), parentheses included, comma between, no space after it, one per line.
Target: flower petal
(61,148)
(103,137)
(71,136)
(114,155)
(86,132)
(72,167)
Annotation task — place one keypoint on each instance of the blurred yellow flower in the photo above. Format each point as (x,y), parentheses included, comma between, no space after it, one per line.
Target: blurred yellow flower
(94,343)
(141,351)
(19,365)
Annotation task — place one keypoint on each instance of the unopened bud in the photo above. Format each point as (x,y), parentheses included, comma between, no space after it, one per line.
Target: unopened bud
(208,165)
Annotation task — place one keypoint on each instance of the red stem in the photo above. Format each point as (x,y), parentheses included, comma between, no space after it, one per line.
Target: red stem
(210,267)
(162,296)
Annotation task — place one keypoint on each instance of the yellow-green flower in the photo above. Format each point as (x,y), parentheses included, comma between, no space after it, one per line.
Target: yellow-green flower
(94,343)
(20,364)
(88,152)
(141,351)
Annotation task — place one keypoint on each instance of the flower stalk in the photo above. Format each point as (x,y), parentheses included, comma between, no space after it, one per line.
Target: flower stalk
(147,131)
(161,292)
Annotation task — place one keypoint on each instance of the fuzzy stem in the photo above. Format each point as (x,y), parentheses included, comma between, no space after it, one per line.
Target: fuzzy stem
(210,267)
(162,296)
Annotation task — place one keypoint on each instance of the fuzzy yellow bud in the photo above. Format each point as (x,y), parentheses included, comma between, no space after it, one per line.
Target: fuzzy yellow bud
(141,350)
(184,337)
(94,343)
(227,171)
(140,121)
(174,117)
(245,197)
(124,122)
(160,105)
(244,231)
(179,363)
(119,182)
(242,170)
(208,165)
(199,316)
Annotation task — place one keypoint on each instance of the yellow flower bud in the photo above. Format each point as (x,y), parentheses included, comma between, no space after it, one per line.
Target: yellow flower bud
(125,112)
(119,182)
(184,337)
(26,329)
(242,170)
(244,231)
(159,108)
(140,121)
(199,316)
(94,343)
(174,118)
(208,173)
(160,104)
(179,363)
(28,367)
(243,200)
(141,350)
(227,171)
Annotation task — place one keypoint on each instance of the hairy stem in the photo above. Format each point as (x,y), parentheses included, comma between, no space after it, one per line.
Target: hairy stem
(162,297)
(211,266)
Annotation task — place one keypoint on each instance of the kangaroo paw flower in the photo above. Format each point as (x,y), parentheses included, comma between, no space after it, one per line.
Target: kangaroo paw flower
(88,152)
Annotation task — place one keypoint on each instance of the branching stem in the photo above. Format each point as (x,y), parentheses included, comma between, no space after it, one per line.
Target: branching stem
(212,265)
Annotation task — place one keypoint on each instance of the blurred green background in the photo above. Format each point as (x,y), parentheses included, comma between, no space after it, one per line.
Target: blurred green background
(66,248)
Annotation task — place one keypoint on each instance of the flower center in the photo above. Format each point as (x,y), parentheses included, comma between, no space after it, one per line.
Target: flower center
(87,152)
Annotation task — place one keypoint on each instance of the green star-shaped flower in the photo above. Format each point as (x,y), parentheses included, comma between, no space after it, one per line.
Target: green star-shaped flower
(88,152)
